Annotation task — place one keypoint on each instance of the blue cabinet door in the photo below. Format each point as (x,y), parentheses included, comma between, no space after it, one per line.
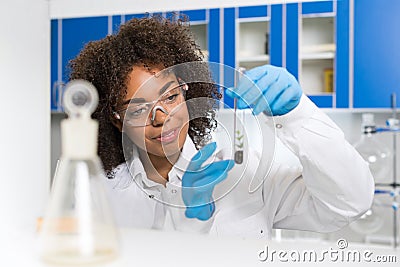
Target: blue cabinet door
(276,57)
(68,37)
(229,51)
(342,74)
(376,52)
(78,32)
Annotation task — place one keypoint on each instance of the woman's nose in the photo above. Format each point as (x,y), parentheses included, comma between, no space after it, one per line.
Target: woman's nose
(158,115)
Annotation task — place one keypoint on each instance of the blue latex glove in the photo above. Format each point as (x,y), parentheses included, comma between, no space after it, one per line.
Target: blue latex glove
(198,183)
(269,89)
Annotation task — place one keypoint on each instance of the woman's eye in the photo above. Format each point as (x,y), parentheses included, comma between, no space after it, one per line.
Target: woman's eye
(136,112)
(171,97)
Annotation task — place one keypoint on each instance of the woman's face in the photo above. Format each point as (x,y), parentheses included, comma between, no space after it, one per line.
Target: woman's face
(165,135)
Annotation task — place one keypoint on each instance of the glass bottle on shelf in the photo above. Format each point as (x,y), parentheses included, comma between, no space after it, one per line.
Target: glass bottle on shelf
(78,225)
(374,152)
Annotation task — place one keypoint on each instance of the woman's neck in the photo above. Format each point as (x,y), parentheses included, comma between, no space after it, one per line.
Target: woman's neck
(157,167)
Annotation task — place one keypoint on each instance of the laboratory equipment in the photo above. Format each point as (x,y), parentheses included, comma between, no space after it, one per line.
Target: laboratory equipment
(374,152)
(378,158)
(78,225)
(238,123)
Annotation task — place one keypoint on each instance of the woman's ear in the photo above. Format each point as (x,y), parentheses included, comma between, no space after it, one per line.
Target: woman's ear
(116,121)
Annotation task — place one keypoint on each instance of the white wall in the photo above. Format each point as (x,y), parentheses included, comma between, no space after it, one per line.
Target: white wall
(83,8)
(24,112)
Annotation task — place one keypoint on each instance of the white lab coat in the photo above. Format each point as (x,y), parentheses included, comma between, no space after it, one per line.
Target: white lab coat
(317,182)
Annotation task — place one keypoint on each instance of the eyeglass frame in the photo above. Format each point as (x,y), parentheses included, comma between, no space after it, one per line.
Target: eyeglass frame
(184,87)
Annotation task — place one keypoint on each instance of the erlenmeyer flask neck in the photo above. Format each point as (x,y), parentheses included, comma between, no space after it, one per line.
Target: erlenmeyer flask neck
(79,138)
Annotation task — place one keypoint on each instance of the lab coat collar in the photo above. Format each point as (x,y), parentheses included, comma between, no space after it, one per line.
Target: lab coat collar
(138,173)
(188,151)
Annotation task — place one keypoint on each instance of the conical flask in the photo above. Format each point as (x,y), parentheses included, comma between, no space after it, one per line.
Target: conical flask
(78,225)
(374,152)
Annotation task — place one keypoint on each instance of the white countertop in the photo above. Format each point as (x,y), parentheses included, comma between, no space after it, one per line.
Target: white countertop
(155,248)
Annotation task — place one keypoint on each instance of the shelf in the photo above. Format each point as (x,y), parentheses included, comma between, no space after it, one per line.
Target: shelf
(318,48)
(318,51)
(317,56)
(255,58)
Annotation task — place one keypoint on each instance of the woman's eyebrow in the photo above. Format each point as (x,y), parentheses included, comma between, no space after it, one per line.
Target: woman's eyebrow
(142,100)
(134,100)
(165,87)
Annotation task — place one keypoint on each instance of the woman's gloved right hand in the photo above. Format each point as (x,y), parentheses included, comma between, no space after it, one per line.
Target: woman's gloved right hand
(198,183)
(269,89)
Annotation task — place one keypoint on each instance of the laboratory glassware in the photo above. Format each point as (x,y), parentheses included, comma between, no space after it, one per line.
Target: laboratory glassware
(78,226)
(369,128)
(238,123)
(370,222)
(375,153)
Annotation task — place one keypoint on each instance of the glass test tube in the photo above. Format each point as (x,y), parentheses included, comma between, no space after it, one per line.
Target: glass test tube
(238,124)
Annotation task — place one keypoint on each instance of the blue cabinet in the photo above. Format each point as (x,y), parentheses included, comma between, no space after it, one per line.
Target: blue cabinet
(283,29)
(376,52)
(277,34)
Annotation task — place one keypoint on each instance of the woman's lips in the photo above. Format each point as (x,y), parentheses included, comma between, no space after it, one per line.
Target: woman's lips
(168,136)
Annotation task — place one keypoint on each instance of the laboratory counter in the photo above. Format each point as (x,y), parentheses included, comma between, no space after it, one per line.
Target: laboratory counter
(156,248)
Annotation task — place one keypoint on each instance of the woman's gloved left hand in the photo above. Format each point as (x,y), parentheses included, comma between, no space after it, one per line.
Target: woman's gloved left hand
(269,89)
(198,183)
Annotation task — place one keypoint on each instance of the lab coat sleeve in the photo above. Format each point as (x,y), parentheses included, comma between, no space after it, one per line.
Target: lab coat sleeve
(335,186)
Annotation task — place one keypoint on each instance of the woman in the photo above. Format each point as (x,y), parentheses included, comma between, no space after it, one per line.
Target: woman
(159,179)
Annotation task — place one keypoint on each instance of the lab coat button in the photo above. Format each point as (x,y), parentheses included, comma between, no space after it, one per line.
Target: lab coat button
(278,125)
(174,191)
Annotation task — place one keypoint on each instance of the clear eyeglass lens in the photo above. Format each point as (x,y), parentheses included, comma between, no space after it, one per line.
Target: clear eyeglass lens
(139,114)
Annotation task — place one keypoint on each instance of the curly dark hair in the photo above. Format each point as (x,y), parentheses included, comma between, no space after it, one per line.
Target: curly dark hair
(150,42)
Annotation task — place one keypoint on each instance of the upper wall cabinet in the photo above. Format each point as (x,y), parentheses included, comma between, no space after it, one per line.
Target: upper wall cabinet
(313,40)
(376,52)
(69,36)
